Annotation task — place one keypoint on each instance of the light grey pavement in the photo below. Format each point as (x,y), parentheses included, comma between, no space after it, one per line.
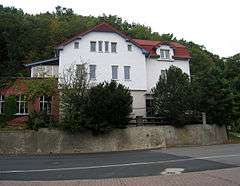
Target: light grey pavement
(219,165)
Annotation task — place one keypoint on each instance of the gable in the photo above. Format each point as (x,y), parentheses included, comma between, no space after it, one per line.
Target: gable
(103,27)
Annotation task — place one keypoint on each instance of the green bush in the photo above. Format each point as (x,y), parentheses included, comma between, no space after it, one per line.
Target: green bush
(108,107)
(9,110)
(38,120)
(172,96)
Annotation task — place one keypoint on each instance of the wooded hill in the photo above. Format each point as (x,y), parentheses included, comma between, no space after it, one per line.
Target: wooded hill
(25,38)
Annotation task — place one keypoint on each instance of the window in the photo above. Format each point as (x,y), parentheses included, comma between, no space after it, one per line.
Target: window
(100,48)
(22,107)
(106,46)
(76,45)
(114,72)
(165,54)
(127,72)
(93,46)
(46,104)
(80,70)
(163,74)
(130,48)
(92,69)
(1,103)
(113,47)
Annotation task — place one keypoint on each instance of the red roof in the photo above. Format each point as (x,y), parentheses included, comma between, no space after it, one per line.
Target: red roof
(180,51)
(102,27)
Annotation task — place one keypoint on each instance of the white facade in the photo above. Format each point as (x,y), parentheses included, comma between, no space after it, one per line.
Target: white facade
(105,60)
(44,71)
(144,71)
(155,67)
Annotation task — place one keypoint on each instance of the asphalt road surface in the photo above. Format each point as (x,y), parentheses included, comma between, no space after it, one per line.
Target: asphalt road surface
(119,164)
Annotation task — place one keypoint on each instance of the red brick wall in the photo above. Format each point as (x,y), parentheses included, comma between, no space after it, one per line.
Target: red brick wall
(17,88)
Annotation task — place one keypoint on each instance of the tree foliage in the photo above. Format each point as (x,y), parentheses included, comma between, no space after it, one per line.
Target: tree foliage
(98,108)
(74,94)
(109,106)
(171,96)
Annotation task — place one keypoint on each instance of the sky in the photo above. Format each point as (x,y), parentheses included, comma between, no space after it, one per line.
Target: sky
(212,23)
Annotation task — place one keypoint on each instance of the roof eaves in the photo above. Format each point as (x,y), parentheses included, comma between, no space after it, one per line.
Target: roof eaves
(42,62)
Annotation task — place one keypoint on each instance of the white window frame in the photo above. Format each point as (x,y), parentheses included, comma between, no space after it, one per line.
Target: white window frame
(76,45)
(92,76)
(125,68)
(112,44)
(2,103)
(114,67)
(106,46)
(21,101)
(45,104)
(100,46)
(165,54)
(95,46)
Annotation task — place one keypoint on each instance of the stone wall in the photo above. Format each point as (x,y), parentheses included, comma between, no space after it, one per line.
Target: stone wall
(47,141)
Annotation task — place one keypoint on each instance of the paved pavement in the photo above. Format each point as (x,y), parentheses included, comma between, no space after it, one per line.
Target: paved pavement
(222,177)
(117,168)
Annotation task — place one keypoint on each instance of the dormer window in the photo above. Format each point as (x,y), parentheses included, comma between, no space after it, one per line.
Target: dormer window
(164,54)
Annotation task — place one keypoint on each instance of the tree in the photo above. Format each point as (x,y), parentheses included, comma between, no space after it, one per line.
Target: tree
(215,96)
(74,95)
(232,76)
(171,96)
(108,107)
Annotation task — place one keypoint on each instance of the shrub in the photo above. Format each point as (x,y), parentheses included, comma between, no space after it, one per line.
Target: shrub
(74,90)
(108,107)
(171,96)
(38,120)
(9,110)
(99,108)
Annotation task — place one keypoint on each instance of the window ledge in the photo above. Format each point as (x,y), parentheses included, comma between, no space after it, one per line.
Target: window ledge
(163,59)
(127,80)
(21,114)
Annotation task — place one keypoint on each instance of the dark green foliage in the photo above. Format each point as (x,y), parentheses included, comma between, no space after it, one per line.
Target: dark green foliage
(232,76)
(109,106)
(38,120)
(9,110)
(171,96)
(215,97)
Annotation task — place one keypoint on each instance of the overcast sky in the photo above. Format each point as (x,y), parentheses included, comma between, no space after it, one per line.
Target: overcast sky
(212,23)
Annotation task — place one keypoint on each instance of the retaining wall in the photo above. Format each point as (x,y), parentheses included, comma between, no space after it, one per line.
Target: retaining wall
(47,141)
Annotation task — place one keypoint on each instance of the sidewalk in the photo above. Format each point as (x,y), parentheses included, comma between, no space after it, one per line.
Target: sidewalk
(229,177)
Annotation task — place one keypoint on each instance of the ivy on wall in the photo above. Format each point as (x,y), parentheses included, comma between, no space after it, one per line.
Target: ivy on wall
(9,109)
(40,87)
(6,83)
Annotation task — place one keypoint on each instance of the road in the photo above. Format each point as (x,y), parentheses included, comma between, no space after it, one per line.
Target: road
(119,164)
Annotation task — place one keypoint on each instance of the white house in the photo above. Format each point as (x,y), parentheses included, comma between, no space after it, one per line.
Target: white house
(111,55)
